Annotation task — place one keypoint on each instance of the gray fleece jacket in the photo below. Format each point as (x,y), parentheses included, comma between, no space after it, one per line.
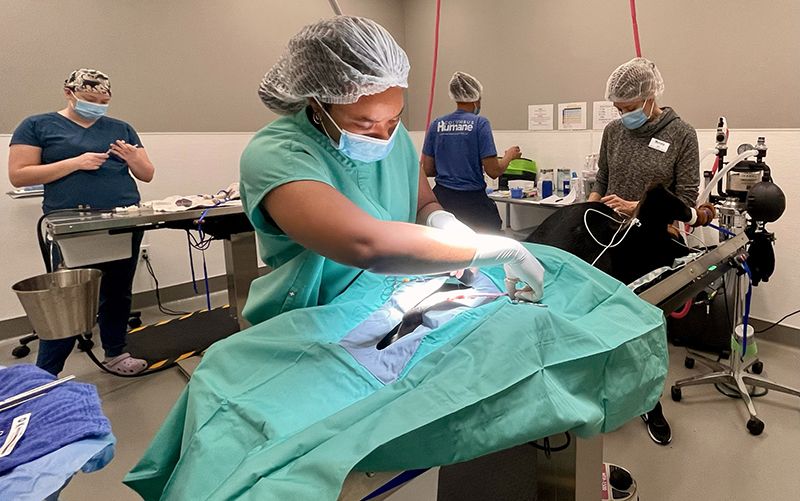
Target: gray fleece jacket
(630,161)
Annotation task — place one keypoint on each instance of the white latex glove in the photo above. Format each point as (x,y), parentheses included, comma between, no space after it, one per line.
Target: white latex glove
(519,264)
(446,221)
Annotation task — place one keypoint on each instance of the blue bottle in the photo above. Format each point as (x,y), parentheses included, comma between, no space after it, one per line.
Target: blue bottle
(547,188)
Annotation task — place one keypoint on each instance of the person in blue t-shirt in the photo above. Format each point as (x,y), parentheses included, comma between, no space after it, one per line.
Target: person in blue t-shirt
(84,158)
(458,149)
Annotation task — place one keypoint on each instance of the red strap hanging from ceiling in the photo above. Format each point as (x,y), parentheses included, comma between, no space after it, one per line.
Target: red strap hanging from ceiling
(635,29)
(435,63)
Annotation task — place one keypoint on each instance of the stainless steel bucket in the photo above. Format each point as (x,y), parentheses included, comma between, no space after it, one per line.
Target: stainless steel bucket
(62,304)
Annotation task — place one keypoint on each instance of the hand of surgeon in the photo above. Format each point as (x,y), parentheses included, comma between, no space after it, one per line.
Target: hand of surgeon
(519,264)
(620,205)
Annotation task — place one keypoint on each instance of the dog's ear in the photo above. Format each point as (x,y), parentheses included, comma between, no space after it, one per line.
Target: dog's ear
(660,207)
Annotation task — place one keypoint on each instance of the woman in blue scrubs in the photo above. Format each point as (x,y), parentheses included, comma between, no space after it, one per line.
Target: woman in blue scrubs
(459,148)
(334,186)
(84,158)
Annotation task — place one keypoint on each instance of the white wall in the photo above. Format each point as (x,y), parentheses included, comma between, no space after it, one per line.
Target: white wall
(553,149)
(177,65)
(185,164)
(736,55)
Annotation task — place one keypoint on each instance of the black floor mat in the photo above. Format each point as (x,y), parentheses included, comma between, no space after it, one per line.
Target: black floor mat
(181,337)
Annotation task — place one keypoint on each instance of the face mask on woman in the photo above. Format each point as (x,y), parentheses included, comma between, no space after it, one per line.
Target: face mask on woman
(87,110)
(636,118)
(358,146)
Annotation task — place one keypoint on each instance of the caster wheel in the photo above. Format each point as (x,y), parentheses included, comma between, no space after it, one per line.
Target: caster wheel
(134,323)
(755,426)
(758,367)
(676,394)
(688,362)
(21,351)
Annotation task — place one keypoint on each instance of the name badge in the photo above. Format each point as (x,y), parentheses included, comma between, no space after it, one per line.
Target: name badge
(659,145)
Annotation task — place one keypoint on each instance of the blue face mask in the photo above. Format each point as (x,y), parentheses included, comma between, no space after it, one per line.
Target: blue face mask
(635,119)
(89,111)
(477,110)
(360,147)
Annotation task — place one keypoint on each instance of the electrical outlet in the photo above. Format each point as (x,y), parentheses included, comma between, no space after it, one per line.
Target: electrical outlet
(143,253)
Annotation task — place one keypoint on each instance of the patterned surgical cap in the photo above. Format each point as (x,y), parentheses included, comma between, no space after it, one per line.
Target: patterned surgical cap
(88,80)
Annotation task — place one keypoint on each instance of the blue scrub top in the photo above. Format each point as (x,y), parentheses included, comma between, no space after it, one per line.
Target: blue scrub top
(458,142)
(60,138)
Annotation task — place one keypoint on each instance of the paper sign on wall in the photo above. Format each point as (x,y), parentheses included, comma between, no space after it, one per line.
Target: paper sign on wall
(571,116)
(540,117)
(603,113)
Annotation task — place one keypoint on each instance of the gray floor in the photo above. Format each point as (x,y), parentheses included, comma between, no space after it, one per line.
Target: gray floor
(712,456)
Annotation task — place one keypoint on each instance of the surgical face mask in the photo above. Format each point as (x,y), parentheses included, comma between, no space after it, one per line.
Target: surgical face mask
(636,118)
(87,110)
(477,109)
(360,147)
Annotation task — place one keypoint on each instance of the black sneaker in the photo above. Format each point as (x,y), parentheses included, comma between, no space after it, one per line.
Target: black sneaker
(657,426)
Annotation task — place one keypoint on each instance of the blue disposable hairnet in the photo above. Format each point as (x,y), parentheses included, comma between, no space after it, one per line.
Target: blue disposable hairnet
(337,61)
(464,88)
(635,80)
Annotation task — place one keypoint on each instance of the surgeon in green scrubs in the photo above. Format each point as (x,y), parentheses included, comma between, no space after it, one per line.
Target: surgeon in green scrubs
(334,186)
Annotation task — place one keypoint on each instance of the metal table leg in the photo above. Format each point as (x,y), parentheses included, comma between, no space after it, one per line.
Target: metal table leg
(573,474)
(241,266)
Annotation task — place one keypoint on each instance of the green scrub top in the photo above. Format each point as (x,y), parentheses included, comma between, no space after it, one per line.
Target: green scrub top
(292,149)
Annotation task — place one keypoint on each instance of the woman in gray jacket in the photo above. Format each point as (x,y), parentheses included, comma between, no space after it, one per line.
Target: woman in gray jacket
(647,145)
